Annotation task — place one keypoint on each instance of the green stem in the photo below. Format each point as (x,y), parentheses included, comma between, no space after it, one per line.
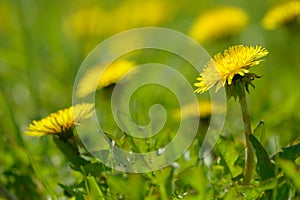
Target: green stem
(249,151)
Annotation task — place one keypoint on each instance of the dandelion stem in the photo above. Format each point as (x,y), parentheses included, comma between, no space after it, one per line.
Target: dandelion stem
(247,127)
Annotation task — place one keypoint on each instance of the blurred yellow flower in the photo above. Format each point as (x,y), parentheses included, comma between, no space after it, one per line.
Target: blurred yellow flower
(204,107)
(6,17)
(86,23)
(129,14)
(61,121)
(221,69)
(219,22)
(111,75)
(283,14)
(142,13)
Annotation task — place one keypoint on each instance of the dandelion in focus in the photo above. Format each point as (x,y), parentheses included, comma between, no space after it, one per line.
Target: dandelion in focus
(112,74)
(231,69)
(62,121)
(219,23)
(283,14)
(230,66)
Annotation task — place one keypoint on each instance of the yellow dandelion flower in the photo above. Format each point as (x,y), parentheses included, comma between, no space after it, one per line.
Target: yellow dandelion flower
(90,22)
(142,13)
(283,14)
(61,121)
(221,69)
(86,23)
(204,107)
(110,76)
(219,22)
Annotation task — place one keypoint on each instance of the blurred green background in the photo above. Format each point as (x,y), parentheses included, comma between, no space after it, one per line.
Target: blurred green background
(42,44)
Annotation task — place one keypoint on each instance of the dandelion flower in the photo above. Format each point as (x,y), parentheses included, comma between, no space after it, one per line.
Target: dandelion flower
(204,108)
(62,121)
(87,22)
(91,22)
(111,75)
(218,23)
(283,14)
(222,69)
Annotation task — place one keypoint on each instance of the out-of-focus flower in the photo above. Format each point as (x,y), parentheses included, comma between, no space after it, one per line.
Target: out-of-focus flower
(219,23)
(91,80)
(6,17)
(129,14)
(86,23)
(284,14)
(60,122)
(204,107)
(235,61)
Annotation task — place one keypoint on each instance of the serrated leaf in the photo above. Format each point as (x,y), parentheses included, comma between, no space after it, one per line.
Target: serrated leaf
(264,168)
(93,189)
(229,154)
(259,130)
(290,153)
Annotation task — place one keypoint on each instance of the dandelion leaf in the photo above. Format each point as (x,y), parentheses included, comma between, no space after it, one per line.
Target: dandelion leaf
(93,189)
(259,130)
(264,168)
(227,151)
(289,153)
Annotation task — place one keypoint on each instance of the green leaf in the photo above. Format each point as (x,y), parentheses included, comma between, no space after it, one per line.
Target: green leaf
(124,184)
(93,189)
(259,130)
(70,191)
(231,194)
(254,192)
(264,168)
(164,179)
(130,127)
(291,170)
(229,154)
(93,169)
(289,153)
(196,178)
(69,152)
(283,191)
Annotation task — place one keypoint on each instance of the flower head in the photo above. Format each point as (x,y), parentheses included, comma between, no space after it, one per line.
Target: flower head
(222,69)
(95,21)
(204,108)
(61,121)
(283,14)
(111,75)
(218,23)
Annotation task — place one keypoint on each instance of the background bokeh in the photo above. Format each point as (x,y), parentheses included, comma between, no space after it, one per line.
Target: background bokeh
(42,45)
